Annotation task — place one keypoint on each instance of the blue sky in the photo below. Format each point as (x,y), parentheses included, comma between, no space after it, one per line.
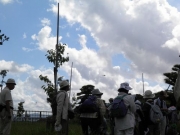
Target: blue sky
(119,39)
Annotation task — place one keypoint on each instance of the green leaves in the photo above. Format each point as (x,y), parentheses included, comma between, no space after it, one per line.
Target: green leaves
(51,56)
(85,91)
(20,110)
(3,38)
(172,76)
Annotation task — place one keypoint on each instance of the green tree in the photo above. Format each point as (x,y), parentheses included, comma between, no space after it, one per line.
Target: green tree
(49,86)
(85,92)
(20,110)
(172,76)
(3,38)
(3,74)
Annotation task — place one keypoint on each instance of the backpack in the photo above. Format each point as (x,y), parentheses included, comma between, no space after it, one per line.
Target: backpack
(89,105)
(156,115)
(118,108)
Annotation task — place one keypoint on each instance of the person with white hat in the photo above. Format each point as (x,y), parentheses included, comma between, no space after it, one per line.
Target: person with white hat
(63,106)
(160,101)
(153,129)
(6,103)
(125,125)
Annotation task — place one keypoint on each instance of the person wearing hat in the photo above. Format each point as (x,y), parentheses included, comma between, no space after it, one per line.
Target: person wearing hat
(111,119)
(6,102)
(139,118)
(125,125)
(63,106)
(160,101)
(153,129)
(94,120)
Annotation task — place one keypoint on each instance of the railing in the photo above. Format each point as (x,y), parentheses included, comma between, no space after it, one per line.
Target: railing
(32,116)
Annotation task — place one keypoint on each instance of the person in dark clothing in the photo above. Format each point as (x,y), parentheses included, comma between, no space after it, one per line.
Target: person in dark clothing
(160,101)
(94,120)
(111,119)
(153,129)
(139,117)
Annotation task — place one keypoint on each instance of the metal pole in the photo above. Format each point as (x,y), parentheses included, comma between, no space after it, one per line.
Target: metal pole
(56,62)
(70,81)
(143,83)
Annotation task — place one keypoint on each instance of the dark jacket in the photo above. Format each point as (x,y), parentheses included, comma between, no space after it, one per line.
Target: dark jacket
(146,110)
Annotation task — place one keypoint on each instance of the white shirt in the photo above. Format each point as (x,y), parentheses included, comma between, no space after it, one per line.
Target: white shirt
(5,95)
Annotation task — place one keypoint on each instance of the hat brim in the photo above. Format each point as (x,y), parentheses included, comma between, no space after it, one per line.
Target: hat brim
(64,86)
(129,88)
(98,94)
(11,83)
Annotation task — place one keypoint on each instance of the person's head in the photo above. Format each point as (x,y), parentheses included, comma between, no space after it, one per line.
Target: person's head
(97,93)
(148,95)
(110,100)
(124,87)
(163,95)
(64,85)
(10,83)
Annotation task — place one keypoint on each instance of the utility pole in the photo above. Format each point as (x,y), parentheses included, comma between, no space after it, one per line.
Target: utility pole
(56,60)
(70,81)
(143,83)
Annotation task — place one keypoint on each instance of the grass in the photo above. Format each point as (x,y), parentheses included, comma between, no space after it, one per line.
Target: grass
(39,128)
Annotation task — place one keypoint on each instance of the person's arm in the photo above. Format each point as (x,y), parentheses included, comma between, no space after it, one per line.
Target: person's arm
(60,102)
(8,100)
(8,108)
(132,105)
(102,107)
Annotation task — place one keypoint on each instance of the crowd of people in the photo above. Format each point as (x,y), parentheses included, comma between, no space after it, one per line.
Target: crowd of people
(124,115)
(137,120)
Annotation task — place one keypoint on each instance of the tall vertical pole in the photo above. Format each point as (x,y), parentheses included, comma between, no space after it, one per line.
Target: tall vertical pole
(143,83)
(56,61)
(70,81)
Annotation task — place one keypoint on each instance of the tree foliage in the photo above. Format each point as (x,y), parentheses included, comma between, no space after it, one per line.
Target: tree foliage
(3,38)
(85,92)
(172,76)
(51,56)
(20,109)
(3,74)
